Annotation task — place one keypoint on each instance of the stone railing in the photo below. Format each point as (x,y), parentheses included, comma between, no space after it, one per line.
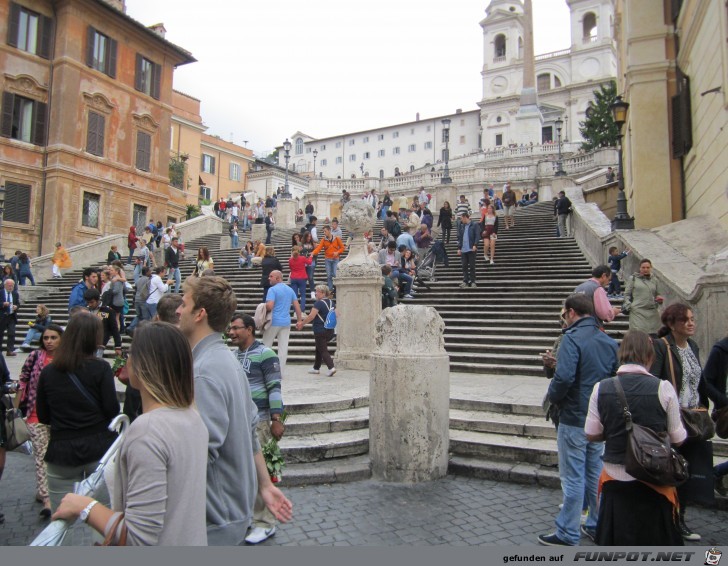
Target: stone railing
(553,54)
(90,253)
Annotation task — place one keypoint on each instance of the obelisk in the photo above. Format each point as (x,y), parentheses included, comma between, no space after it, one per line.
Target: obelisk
(528,120)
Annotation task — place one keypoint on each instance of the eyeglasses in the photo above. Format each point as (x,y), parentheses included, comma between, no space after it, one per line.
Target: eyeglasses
(237,327)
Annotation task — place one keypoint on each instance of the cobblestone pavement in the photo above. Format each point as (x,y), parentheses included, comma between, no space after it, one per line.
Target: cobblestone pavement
(456,511)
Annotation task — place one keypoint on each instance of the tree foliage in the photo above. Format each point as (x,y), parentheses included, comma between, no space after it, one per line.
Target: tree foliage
(599,129)
(177,172)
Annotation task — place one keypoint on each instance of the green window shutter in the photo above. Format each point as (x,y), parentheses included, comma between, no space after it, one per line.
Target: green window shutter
(46,35)
(156,80)
(17,203)
(40,117)
(138,72)
(6,129)
(90,36)
(13,23)
(111,59)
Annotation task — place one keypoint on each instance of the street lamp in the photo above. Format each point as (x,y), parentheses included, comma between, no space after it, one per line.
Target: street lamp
(622,220)
(446,180)
(286,156)
(315,153)
(559,123)
(2,212)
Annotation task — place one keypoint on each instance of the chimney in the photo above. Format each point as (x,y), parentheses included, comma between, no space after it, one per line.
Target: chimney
(459,111)
(118,4)
(417,118)
(159,29)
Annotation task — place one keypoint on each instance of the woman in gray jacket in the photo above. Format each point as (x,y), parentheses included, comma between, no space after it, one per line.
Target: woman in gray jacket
(642,299)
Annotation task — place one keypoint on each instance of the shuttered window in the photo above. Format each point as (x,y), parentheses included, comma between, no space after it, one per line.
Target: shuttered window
(208,164)
(95,134)
(143,151)
(17,203)
(29,31)
(23,119)
(682,122)
(101,52)
(148,76)
(91,207)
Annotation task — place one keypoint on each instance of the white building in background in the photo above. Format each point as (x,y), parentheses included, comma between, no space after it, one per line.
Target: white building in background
(565,81)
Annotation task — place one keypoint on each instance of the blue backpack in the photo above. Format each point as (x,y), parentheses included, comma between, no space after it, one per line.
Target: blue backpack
(330,322)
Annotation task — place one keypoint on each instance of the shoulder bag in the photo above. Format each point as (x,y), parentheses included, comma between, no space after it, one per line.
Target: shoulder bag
(648,455)
(16,430)
(697,422)
(720,416)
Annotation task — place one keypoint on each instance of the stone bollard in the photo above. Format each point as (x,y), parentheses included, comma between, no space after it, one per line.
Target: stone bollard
(258,232)
(409,396)
(286,214)
(358,292)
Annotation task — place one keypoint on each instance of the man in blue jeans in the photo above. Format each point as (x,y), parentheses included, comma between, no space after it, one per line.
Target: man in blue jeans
(586,356)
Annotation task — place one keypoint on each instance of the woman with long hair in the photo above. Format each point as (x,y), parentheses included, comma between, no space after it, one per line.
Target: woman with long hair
(298,263)
(296,239)
(633,513)
(444,221)
(160,489)
(677,360)
(270,263)
(307,246)
(50,339)
(77,398)
(247,252)
(489,229)
(204,261)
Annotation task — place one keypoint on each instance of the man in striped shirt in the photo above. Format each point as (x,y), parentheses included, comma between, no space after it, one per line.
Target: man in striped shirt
(463,207)
(263,369)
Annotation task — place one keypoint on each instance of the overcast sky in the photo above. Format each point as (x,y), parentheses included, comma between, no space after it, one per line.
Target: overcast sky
(325,67)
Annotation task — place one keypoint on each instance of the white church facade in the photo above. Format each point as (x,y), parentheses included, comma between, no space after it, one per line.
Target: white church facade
(564,80)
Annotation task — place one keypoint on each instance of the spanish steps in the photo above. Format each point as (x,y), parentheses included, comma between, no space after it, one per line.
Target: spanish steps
(494,333)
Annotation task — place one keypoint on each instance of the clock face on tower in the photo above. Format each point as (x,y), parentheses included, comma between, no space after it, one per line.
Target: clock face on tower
(499,84)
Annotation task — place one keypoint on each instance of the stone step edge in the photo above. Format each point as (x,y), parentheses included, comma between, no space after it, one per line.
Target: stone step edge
(513,472)
(341,470)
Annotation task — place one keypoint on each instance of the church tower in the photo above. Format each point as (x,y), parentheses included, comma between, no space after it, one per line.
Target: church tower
(502,48)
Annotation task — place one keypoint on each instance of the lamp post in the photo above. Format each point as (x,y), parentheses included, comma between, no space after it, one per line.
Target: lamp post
(446,180)
(2,212)
(361,168)
(559,123)
(315,153)
(622,220)
(286,156)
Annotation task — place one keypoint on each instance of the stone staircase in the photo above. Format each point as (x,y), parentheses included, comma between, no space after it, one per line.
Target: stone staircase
(493,333)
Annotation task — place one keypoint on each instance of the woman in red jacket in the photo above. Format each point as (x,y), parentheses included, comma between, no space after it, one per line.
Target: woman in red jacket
(131,242)
(299,276)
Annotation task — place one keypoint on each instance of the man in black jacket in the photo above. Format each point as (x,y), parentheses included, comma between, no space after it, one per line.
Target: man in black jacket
(107,316)
(171,259)
(562,208)
(468,237)
(9,315)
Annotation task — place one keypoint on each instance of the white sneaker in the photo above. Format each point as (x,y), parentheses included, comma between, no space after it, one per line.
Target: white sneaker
(259,534)
(331,372)
(492,262)
(314,371)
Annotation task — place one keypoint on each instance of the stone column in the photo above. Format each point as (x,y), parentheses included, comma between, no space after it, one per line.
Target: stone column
(258,232)
(409,396)
(358,292)
(286,213)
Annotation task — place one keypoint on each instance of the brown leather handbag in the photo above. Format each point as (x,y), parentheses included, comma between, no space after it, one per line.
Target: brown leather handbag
(649,456)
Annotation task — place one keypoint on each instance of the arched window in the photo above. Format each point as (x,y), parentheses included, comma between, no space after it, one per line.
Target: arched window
(412,168)
(500,46)
(543,82)
(396,171)
(381,173)
(590,27)
(557,82)
(299,146)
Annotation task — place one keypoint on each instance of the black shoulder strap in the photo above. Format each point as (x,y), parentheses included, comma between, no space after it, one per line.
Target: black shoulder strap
(625,407)
(84,391)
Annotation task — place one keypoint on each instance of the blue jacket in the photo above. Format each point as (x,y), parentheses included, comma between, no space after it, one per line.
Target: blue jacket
(474,235)
(76,298)
(615,261)
(586,356)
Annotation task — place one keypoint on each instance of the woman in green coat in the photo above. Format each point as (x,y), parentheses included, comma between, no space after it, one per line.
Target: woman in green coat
(642,299)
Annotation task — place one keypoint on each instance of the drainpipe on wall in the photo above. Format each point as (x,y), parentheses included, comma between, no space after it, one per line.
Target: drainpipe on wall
(44,173)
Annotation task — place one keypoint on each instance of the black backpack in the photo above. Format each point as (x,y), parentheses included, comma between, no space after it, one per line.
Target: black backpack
(396,230)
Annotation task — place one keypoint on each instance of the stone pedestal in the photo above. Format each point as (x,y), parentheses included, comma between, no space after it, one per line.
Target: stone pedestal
(441,194)
(286,213)
(225,242)
(358,292)
(409,396)
(258,232)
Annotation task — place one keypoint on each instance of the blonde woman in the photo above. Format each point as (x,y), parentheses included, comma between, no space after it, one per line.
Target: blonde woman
(160,495)
(61,260)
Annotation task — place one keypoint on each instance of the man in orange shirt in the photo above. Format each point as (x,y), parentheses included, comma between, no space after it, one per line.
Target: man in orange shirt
(333,247)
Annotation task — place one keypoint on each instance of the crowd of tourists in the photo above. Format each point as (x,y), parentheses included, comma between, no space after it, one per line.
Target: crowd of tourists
(600,390)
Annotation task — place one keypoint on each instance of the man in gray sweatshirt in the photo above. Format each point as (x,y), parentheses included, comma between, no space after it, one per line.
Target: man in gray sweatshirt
(236,469)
